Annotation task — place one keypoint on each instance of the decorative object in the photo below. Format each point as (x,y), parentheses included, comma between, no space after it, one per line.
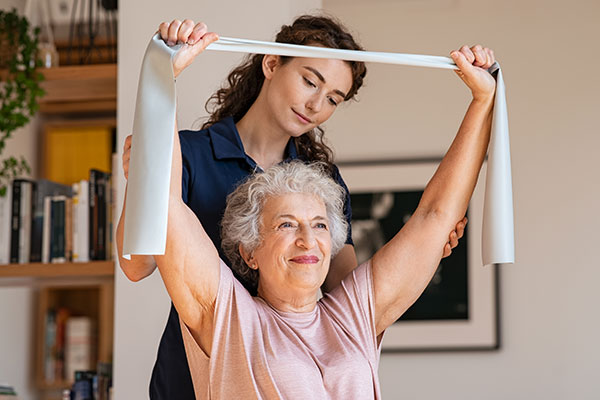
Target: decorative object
(459,308)
(19,86)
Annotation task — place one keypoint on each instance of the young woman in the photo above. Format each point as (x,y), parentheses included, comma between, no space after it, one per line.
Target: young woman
(269,112)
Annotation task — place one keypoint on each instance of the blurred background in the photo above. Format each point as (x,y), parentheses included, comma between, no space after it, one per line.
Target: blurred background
(548,300)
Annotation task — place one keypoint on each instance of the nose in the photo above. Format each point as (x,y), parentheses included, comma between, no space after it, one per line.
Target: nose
(305,238)
(315,103)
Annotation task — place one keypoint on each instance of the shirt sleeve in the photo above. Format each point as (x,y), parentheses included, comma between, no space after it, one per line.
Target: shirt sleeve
(351,304)
(347,204)
(186,155)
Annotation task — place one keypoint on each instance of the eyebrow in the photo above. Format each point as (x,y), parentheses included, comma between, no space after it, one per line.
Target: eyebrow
(290,216)
(322,79)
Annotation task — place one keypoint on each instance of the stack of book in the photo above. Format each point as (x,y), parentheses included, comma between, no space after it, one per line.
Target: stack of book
(49,222)
(7,392)
(69,345)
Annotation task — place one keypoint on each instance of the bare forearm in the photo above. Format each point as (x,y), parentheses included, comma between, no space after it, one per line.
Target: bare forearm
(449,190)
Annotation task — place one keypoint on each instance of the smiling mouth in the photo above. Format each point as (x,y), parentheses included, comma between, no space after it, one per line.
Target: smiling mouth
(305,260)
(301,117)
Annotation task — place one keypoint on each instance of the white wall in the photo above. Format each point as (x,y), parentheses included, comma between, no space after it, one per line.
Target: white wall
(141,308)
(16,303)
(549,298)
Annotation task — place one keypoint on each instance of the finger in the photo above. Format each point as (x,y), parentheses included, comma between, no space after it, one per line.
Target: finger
(468,53)
(461,62)
(186,28)
(163,28)
(199,30)
(453,240)
(490,57)
(480,56)
(172,34)
(460,229)
(207,39)
(447,250)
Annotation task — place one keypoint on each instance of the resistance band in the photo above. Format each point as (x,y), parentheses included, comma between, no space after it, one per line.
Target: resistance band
(152,144)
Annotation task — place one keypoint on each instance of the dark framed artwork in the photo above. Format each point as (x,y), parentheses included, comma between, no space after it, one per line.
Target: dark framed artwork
(459,308)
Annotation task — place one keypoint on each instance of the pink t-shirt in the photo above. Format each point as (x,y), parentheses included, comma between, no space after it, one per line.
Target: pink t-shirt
(259,352)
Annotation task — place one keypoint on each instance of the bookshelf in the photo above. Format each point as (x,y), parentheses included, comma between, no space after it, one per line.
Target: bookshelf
(76,97)
(40,271)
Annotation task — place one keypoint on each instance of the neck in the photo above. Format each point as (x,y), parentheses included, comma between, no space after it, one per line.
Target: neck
(263,141)
(295,302)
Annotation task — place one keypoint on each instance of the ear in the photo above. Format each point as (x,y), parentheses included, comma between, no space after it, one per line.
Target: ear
(248,258)
(270,63)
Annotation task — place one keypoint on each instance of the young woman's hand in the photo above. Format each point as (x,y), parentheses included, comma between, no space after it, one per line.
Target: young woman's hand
(194,37)
(473,63)
(455,235)
(126,156)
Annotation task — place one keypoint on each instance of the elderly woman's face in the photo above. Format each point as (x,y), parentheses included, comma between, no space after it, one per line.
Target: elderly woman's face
(296,248)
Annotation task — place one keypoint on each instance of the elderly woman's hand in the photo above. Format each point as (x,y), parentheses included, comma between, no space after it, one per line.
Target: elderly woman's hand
(473,63)
(195,38)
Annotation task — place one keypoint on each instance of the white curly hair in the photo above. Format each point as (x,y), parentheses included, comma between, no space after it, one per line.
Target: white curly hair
(242,218)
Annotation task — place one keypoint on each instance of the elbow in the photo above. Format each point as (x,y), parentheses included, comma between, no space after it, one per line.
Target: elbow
(439,216)
(131,272)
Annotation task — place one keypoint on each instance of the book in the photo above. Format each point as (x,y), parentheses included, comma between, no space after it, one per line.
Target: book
(5,222)
(81,222)
(70,152)
(46,233)
(68,229)
(97,217)
(57,229)
(79,340)
(62,315)
(20,238)
(42,189)
(49,341)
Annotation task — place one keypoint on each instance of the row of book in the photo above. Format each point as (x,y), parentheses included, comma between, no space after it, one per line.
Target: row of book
(69,345)
(49,222)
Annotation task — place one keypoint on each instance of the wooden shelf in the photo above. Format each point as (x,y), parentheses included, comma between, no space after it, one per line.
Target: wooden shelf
(39,270)
(79,89)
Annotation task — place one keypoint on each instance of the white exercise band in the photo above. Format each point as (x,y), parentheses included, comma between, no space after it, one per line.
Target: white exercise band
(152,144)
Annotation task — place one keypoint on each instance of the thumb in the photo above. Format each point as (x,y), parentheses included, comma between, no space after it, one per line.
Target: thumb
(204,41)
(461,61)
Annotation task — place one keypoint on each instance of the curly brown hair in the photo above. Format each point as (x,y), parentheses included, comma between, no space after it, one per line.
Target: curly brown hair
(245,81)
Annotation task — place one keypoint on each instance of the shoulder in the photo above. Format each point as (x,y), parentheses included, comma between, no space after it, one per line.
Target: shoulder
(193,138)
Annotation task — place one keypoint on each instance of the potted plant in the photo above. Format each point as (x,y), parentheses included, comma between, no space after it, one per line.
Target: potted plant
(19,86)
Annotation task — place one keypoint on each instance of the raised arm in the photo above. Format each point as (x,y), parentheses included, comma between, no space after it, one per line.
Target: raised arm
(190,265)
(405,265)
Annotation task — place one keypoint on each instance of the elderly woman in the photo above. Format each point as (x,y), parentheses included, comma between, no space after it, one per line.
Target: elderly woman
(280,230)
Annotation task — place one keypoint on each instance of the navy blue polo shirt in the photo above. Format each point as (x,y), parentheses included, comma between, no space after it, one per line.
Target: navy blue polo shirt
(214,164)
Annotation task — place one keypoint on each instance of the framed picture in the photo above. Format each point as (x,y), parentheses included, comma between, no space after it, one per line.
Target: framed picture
(459,308)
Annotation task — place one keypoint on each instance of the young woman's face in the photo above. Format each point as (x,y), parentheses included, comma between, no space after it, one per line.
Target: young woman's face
(304,92)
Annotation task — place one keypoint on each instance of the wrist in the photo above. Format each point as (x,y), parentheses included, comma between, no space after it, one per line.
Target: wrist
(484,99)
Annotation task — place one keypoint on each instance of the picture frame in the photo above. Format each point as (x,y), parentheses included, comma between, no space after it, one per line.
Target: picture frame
(476,326)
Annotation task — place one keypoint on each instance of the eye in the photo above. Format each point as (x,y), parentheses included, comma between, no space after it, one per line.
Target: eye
(332,101)
(286,224)
(309,83)
(321,225)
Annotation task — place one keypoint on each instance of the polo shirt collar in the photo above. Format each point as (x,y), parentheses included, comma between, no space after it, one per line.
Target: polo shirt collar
(227,144)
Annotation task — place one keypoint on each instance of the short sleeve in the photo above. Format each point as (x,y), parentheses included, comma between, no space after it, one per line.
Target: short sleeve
(347,204)
(186,156)
(352,305)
